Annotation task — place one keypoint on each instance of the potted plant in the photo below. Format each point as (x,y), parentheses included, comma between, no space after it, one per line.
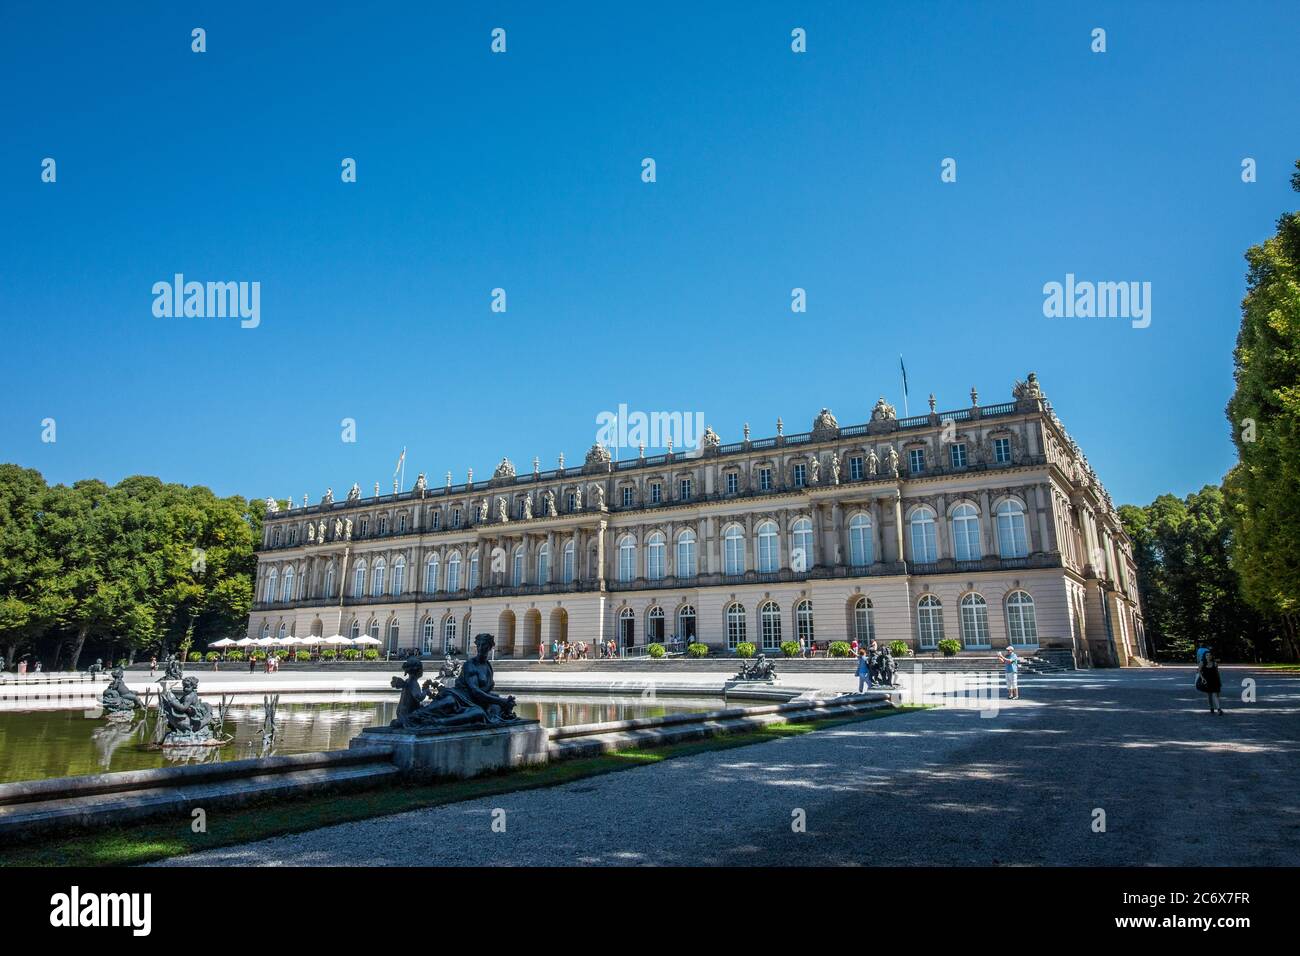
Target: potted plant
(839,649)
(655,650)
(698,650)
(791,648)
(899,648)
(949,646)
(746,649)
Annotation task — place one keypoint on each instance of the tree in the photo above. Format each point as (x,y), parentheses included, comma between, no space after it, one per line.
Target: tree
(1189,588)
(1263,488)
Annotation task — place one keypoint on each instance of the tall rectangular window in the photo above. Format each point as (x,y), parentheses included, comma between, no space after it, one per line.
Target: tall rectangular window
(656,492)
(957,455)
(684,489)
(765,479)
(1002,450)
(733,482)
(800,475)
(916,461)
(627,497)
(855,468)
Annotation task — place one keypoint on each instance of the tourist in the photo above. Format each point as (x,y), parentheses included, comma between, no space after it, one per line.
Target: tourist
(38,667)
(22,666)
(541,650)
(555,651)
(854,647)
(1209,682)
(153,665)
(864,670)
(1012,662)
(252,664)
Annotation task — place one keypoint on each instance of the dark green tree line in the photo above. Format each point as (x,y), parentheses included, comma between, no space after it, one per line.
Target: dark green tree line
(121,569)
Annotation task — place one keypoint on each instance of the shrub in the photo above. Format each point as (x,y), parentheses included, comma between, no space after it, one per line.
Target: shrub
(839,649)
(211,656)
(235,656)
(371,654)
(791,649)
(302,656)
(655,650)
(194,657)
(352,654)
(329,655)
(746,649)
(259,656)
(698,650)
(949,646)
(899,648)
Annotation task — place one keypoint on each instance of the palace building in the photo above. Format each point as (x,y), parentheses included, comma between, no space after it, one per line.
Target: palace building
(985,525)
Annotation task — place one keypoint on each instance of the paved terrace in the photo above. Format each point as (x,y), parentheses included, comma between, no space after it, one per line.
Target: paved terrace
(940,787)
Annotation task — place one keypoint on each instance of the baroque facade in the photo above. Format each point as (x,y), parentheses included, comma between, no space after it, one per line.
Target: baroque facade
(984,524)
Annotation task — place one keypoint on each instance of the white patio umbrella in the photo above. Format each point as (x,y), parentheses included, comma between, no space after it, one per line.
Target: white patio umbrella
(367,640)
(338,640)
(291,642)
(269,642)
(224,642)
(246,642)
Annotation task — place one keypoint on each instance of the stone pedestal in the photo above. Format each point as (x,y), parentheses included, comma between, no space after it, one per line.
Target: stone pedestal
(461,753)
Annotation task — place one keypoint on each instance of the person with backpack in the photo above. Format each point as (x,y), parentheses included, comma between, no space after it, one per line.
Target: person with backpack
(1208,681)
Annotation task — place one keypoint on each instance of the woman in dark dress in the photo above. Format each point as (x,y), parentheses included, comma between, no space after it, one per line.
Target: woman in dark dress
(1209,682)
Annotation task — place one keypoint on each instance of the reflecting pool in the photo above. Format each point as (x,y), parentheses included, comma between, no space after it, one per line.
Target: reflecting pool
(36,744)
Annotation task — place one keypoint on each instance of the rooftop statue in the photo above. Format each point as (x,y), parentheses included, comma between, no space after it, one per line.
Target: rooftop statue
(328,497)
(504,470)
(710,438)
(118,699)
(272,506)
(825,425)
(354,493)
(469,703)
(883,411)
(597,454)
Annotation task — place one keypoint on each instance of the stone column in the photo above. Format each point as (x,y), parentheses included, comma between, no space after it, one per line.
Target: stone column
(600,553)
(877,538)
(550,557)
(898,522)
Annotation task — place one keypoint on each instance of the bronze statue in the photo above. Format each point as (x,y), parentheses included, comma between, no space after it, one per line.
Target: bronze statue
(466,704)
(760,668)
(189,719)
(118,698)
(173,668)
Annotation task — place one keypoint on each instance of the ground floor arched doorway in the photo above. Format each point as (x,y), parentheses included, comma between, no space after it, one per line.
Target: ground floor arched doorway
(558,631)
(626,627)
(506,633)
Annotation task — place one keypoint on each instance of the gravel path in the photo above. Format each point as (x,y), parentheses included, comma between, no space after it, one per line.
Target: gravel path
(941,787)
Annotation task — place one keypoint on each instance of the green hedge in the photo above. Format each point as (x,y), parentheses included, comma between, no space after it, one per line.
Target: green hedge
(698,650)
(235,656)
(839,649)
(329,655)
(195,657)
(899,648)
(746,649)
(655,650)
(211,656)
(791,649)
(371,654)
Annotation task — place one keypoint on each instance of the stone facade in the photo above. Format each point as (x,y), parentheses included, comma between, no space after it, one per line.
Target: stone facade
(981,524)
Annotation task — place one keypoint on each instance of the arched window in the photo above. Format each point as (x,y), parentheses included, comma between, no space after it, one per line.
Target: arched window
(801,540)
(686,554)
(374,627)
(864,621)
(803,621)
(860,544)
(974,621)
(359,580)
(355,631)
(377,578)
(769,620)
(654,625)
(431,574)
(929,620)
(286,589)
(768,556)
(394,632)
(626,558)
(925,548)
(966,533)
(733,550)
(686,623)
(427,636)
(283,632)
(1012,540)
(266,631)
(517,575)
(626,627)
(654,556)
(473,570)
(329,579)
(449,633)
(568,562)
(1022,623)
(399,575)
(272,577)
(543,565)
(735,625)
(453,571)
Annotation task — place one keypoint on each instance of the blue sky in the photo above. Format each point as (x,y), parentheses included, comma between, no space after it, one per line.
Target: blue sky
(522,171)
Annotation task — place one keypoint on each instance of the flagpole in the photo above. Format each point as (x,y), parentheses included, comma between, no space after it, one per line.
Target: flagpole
(902,369)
